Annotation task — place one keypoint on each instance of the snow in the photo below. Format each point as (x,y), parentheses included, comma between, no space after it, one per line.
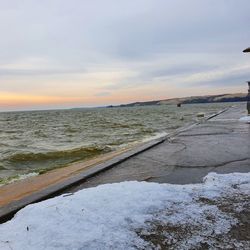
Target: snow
(121,215)
(245,119)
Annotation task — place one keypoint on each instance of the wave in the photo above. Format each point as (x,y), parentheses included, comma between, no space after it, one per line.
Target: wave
(2,167)
(72,154)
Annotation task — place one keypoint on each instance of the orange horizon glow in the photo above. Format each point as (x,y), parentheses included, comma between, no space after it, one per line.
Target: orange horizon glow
(16,101)
(9,99)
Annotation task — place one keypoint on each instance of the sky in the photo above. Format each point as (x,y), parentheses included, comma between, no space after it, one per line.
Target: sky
(85,53)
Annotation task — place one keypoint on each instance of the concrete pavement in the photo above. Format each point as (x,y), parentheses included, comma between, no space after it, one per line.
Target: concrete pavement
(221,144)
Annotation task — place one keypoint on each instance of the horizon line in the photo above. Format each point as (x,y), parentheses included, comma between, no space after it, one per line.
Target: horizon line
(110,105)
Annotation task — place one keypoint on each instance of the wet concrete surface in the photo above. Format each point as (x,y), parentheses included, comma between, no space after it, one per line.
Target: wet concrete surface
(221,144)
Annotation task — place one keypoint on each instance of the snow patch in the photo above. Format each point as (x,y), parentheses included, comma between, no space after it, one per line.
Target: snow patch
(121,215)
(245,119)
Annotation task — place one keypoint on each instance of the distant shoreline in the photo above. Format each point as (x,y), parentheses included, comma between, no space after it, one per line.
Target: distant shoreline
(238,97)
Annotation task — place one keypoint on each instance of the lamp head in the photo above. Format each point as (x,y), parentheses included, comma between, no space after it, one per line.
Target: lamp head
(246,50)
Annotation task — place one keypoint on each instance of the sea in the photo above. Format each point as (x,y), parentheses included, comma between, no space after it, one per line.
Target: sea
(33,142)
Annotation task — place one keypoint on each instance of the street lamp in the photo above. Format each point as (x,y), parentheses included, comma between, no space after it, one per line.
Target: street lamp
(248,96)
(247,118)
(246,50)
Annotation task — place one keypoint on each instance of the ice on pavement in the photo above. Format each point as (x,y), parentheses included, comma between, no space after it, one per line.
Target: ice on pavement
(245,119)
(123,216)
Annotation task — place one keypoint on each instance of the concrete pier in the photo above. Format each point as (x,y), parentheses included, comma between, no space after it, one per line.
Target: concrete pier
(220,144)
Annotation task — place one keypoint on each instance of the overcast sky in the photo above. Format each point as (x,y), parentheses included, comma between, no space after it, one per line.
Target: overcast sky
(61,53)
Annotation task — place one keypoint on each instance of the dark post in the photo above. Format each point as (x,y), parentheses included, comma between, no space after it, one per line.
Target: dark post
(248,96)
(248,99)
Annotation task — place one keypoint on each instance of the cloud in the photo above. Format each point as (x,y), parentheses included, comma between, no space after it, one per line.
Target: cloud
(94,48)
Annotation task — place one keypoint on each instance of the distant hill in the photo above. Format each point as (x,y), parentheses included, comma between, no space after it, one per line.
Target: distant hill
(239,97)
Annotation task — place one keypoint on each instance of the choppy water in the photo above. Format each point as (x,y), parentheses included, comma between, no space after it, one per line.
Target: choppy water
(37,140)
